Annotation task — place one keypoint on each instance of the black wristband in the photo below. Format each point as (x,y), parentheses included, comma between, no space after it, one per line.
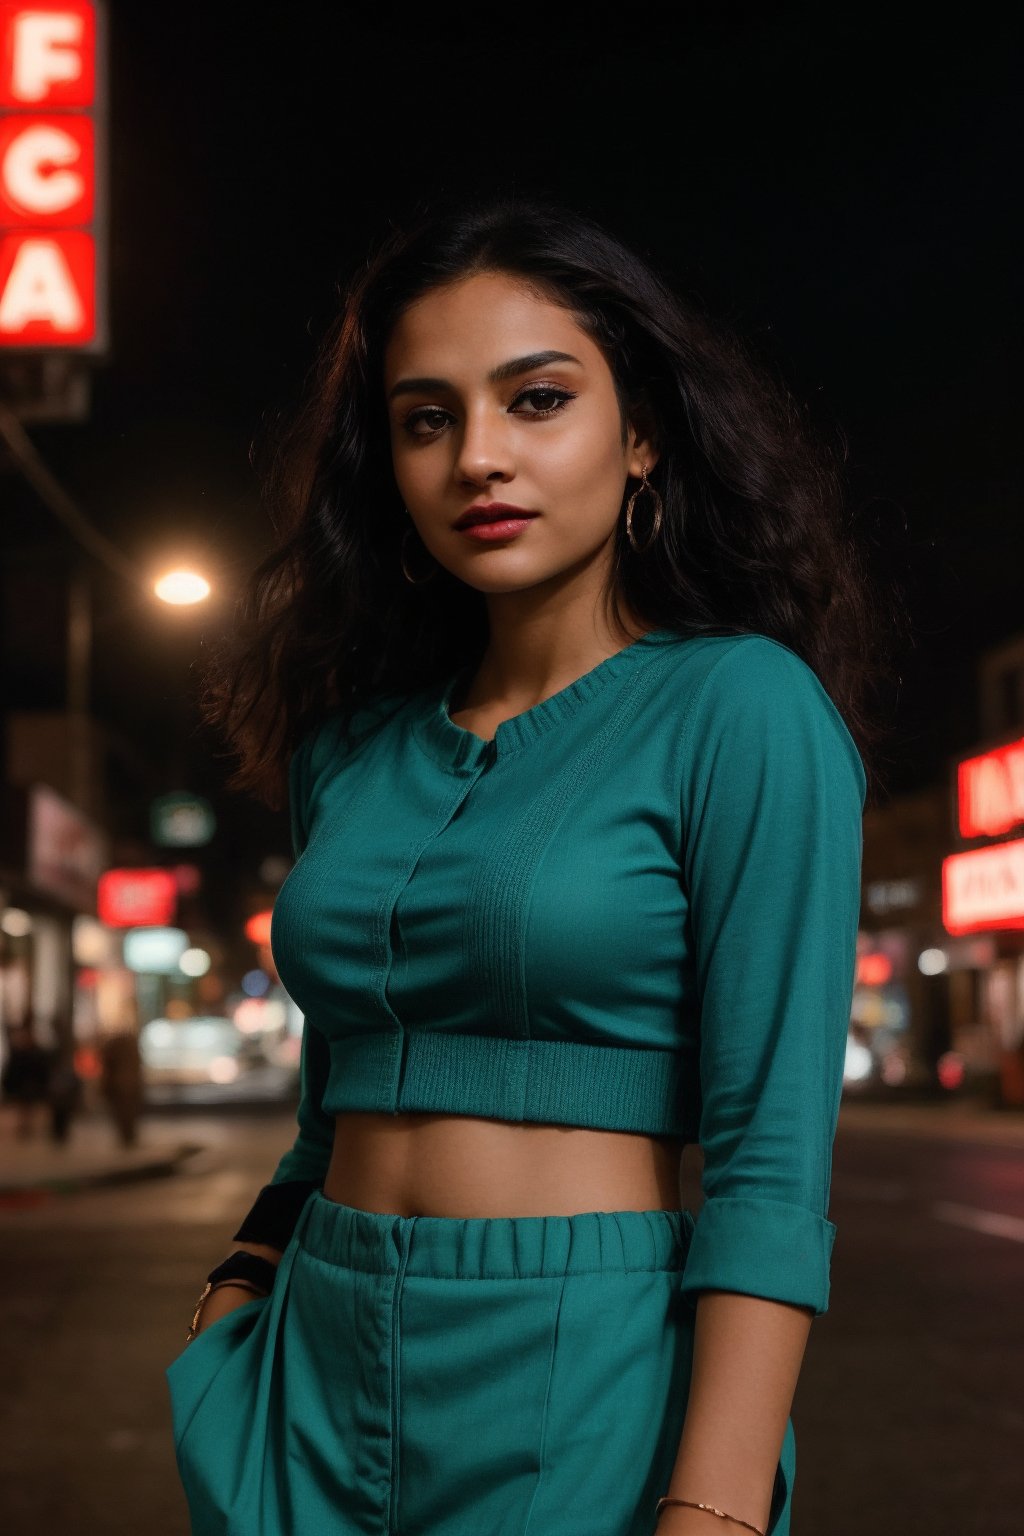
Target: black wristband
(245,1266)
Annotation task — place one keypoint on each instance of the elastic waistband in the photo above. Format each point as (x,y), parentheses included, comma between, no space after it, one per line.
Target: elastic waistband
(495,1247)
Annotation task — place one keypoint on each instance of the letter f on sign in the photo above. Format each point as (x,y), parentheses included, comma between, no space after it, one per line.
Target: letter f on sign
(47,51)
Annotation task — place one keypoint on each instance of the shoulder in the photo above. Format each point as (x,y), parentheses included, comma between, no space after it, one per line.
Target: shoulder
(335,738)
(755,700)
(324,747)
(754,667)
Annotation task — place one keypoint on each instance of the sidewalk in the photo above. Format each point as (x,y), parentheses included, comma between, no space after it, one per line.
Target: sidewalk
(961,1120)
(39,1168)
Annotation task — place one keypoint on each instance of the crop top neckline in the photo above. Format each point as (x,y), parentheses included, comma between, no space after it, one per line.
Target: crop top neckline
(463,750)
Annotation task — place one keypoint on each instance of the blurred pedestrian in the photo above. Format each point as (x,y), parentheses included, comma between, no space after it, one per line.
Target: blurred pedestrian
(65,1092)
(26,1077)
(121,1081)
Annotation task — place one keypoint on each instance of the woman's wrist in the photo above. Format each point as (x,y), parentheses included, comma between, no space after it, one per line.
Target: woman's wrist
(244,1274)
(684,1520)
(249,1268)
(674,1521)
(261,1251)
(217,1301)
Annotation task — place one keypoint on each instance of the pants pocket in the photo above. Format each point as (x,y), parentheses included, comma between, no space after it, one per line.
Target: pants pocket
(190,1374)
(223,1386)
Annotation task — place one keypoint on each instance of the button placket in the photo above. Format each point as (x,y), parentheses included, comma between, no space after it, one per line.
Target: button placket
(453,802)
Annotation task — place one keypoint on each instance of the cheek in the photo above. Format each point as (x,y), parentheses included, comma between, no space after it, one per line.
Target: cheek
(587,457)
(415,473)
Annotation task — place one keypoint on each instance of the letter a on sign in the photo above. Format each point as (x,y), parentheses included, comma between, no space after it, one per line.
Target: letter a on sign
(40,287)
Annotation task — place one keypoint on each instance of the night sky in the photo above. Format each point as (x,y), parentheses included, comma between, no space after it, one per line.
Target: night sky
(844,188)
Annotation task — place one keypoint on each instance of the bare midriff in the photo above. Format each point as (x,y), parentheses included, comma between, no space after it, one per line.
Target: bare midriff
(463,1165)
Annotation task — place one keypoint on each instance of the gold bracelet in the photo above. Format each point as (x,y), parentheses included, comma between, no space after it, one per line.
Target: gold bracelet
(711,1511)
(208,1290)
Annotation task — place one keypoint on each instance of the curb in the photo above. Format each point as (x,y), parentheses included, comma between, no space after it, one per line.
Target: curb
(33,1191)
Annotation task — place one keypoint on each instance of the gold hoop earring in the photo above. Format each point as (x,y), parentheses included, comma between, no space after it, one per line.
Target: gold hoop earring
(417,581)
(645,485)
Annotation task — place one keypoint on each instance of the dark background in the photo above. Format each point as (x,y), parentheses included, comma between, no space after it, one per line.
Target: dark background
(842,185)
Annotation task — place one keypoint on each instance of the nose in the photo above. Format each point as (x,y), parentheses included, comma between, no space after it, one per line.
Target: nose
(484,447)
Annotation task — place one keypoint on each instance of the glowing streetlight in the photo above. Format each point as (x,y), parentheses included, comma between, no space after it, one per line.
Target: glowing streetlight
(181,588)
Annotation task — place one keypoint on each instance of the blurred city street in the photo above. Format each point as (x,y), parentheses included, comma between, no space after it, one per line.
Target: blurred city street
(924,1330)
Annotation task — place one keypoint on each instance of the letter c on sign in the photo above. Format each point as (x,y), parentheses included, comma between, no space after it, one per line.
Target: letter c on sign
(27,173)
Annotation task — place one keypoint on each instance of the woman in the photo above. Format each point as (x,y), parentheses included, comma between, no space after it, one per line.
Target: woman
(565,645)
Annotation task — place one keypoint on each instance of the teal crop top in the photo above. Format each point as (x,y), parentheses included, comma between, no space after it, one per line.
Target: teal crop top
(634,909)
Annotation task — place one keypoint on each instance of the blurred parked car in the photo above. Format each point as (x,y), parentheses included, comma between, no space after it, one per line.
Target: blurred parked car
(208,1059)
(205,1049)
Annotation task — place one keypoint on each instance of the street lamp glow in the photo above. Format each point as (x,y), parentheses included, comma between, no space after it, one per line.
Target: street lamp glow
(932,962)
(16,922)
(194,962)
(182,588)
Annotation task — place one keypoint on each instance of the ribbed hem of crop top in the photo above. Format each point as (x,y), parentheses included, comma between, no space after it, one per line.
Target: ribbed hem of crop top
(658,892)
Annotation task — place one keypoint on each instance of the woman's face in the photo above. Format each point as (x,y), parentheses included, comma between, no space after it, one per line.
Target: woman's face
(496,395)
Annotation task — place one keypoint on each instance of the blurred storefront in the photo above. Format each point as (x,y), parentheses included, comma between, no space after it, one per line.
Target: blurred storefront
(983,872)
(902,1019)
(939,998)
(50,859)
(105,930)
(62,975)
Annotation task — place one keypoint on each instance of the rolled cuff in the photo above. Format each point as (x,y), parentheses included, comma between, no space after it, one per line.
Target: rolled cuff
(766,1248)
(272,1218)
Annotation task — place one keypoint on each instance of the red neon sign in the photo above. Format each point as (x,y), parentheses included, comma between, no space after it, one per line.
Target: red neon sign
(990,791)
(984,888)
(137,898)
(51,226)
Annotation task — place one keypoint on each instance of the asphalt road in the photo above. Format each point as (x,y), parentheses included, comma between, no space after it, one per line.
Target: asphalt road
(909,1413)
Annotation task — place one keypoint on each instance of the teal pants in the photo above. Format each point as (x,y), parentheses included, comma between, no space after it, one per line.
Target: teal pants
(448,1376)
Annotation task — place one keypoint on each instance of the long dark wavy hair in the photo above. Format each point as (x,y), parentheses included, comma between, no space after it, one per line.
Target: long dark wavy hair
(755,535)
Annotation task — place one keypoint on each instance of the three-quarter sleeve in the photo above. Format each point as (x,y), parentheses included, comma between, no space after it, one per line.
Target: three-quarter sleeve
(772,803)
(303,1167)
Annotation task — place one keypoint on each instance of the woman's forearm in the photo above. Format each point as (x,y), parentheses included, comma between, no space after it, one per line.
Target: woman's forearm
(746,1362)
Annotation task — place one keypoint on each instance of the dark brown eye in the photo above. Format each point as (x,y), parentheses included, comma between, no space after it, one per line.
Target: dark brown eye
(431,416)
(545,402)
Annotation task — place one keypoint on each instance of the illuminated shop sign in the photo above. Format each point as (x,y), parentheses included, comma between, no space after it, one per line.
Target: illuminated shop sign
(52,218)
(990,791)
(126,898)
(154,951)
(984,888)
(181,820)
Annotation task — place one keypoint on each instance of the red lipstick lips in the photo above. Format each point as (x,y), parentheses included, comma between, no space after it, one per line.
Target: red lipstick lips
(494,523)
(492,512)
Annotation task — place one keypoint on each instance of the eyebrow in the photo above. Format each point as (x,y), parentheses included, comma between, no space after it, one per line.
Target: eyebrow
(510,370)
